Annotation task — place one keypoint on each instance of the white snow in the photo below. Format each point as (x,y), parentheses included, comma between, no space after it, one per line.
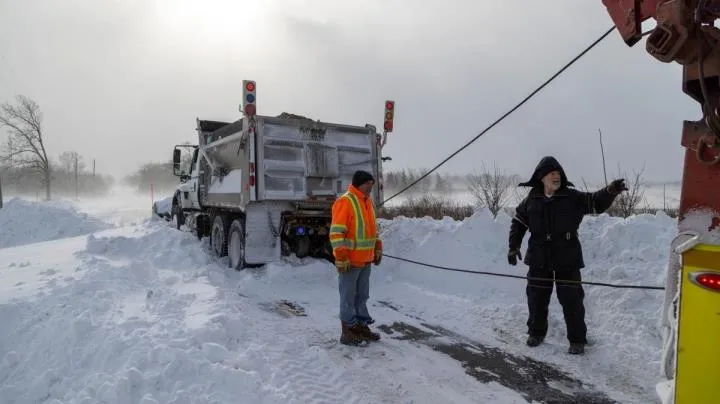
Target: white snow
(24,222)
(142,313)
(163,206)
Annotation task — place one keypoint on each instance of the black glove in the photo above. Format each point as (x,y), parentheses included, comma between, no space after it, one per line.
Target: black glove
(513,256)
(616,187)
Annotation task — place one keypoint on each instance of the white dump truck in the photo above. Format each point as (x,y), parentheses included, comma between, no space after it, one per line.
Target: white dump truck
(263,187)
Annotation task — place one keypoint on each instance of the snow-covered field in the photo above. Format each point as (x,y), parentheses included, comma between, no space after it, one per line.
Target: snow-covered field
(101,303)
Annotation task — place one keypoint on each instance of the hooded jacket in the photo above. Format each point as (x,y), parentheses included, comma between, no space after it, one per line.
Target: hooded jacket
(553,222)
(544,167)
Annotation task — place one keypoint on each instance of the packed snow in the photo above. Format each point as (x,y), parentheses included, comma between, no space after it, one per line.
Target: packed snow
(103,304)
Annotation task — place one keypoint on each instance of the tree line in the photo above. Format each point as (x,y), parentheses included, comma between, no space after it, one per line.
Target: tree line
(26,165)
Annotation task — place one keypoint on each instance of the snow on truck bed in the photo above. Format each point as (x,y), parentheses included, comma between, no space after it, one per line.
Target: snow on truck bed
(143,314)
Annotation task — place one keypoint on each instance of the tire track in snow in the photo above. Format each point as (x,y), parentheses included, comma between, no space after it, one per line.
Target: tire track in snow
(310,379)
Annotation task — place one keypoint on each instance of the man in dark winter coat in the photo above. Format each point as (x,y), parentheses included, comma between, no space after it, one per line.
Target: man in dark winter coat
(552,212)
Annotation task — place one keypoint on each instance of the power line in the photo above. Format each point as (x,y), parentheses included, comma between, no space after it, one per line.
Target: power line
(575,59)
(609,285)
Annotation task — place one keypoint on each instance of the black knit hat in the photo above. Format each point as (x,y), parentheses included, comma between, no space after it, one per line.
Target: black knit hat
(360,177)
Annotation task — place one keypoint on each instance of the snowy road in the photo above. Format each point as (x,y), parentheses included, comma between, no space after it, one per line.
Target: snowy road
(142,314)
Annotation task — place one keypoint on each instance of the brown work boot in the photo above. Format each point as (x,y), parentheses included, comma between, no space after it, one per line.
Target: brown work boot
(365,332)
(350,337)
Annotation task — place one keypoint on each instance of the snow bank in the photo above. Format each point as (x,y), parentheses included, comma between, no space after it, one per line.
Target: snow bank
(141,326)
(154,319)
(24,222)
(144,314)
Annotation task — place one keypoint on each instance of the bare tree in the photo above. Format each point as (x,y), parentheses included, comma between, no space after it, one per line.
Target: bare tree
(626,204)
(490,188)
(602,151)
(69,159)
(24,124)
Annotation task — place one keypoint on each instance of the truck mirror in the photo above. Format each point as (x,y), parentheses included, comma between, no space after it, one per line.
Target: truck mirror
(176,162)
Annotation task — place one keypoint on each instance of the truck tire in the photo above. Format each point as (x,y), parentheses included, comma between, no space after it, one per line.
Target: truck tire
(236,245)
(177,216)
(202,226)
(219,235)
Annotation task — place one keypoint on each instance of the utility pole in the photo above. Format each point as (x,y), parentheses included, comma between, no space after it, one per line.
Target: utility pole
(76,176)
(93,168)
(1,198)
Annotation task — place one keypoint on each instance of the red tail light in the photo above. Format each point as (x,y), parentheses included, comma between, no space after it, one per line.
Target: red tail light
(707,280)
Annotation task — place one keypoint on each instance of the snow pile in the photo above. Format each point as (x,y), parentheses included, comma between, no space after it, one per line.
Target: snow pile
(136,328)
(163,207)
(24,222)
(154,319)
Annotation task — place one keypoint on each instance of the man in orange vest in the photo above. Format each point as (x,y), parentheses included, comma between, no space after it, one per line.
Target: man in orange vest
(355,244)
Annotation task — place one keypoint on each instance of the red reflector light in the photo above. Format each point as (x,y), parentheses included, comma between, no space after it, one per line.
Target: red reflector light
(251,180)
(708,280)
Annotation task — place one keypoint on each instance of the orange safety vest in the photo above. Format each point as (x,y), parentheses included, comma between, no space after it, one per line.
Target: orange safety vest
(353,228)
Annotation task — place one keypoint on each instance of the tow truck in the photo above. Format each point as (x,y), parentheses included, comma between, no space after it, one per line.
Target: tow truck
(685,33)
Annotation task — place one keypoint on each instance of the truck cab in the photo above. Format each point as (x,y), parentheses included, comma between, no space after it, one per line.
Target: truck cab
(185,197)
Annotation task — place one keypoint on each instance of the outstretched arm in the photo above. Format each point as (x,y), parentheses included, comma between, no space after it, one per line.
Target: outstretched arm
(600,201)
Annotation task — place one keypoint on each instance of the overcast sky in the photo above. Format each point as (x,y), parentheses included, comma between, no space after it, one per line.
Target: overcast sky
(122,81)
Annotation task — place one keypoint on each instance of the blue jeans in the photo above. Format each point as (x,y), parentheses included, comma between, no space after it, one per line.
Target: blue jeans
(354,286)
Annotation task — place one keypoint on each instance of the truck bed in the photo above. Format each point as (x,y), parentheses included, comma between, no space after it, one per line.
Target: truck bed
(295,160)
(300,159)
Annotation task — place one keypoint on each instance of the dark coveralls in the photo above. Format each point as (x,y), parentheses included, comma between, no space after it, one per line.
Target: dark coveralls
(554,250)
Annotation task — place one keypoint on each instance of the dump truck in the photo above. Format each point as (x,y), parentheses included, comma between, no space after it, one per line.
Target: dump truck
(262,187)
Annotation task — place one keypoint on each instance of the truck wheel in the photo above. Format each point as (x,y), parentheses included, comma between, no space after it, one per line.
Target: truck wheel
(218,235)
(177,216)
(202,226)
(236,245)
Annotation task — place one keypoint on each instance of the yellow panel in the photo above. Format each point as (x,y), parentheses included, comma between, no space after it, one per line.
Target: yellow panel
(697,379)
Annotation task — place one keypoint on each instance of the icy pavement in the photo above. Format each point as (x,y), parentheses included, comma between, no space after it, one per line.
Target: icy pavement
(143,314)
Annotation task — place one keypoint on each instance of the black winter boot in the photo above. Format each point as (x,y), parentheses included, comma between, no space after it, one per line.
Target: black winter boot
(576,349)
(534,340)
